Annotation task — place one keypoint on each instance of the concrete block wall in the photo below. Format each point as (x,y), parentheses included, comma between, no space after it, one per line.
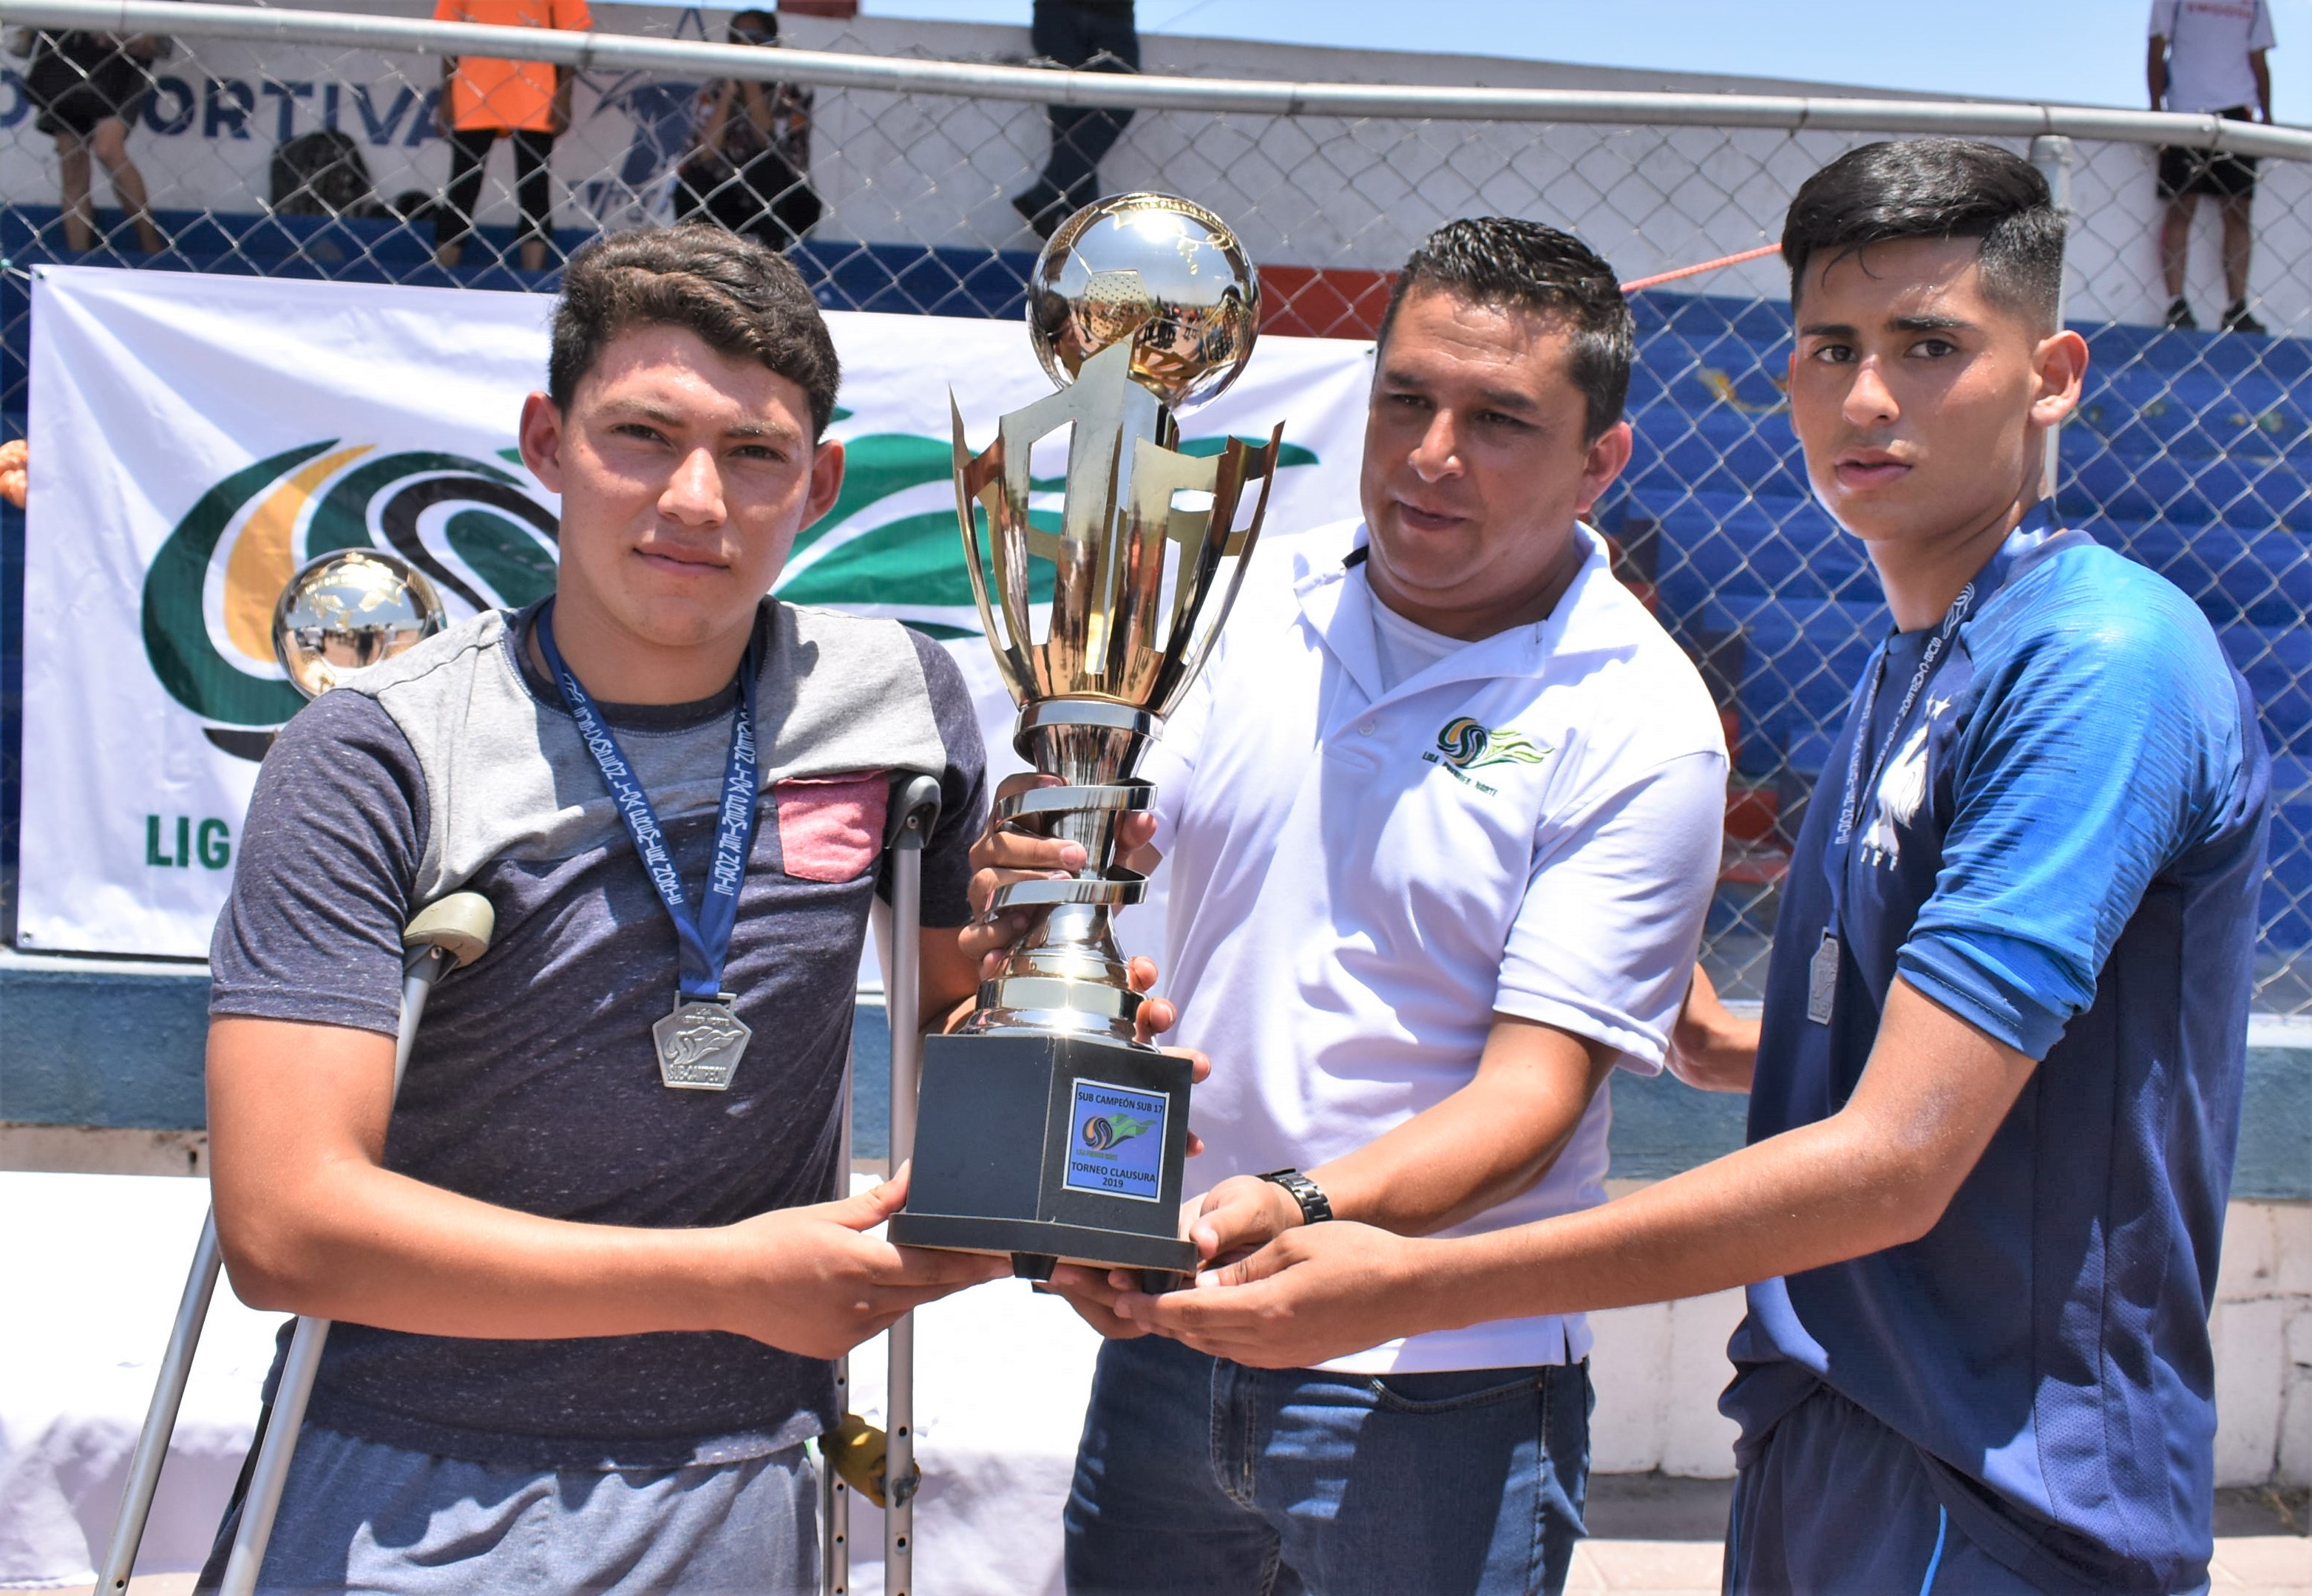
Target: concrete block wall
(1659,1370)
(2262,1332)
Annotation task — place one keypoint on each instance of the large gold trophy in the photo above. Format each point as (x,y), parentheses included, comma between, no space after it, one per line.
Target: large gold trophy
(1044,1130)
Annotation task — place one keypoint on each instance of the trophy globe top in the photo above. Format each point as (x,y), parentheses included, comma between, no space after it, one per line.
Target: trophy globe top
(350,608)
(1160,270)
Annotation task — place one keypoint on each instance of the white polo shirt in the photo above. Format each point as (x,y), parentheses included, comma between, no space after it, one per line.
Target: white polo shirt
(1361,879)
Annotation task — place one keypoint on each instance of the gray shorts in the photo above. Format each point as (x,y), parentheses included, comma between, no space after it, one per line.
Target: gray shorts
(358,1516)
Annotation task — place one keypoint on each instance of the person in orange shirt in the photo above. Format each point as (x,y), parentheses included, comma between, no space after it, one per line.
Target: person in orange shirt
(482,99)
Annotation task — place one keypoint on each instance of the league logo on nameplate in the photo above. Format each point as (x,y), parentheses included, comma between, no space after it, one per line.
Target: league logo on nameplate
(1118,1145)
(699,1045)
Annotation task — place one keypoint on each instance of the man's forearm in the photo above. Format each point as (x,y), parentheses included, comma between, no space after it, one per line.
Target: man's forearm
(1795,1202)
(311,1221)
(370,1246)
(1486,1143)
(1877,1173)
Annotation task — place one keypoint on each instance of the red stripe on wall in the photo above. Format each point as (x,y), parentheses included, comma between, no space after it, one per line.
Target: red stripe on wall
(1323,301)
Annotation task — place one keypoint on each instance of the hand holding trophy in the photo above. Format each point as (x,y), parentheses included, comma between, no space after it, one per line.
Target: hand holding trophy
(1044,1130)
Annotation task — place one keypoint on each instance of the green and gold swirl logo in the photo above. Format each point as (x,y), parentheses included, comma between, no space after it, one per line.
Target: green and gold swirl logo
(1467,746)
(208,597)
(1104,1132)
(489,540)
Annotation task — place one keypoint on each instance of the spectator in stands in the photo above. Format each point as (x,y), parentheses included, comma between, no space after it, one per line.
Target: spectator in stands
(89,88)
(1399,1039)
(1097,36)
(749,168)
(484,101)
(2209,56)
(1998,1084)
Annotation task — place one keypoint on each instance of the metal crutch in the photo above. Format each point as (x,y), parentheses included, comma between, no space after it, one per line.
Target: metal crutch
(902,997)
(834,1492)
(445,935)
(851,1459)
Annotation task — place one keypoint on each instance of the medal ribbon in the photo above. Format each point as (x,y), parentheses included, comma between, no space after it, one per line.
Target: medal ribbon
(2035,526)
(706,941)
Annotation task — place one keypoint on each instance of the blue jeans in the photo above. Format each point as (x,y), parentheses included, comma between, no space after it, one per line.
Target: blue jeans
(1200,1475)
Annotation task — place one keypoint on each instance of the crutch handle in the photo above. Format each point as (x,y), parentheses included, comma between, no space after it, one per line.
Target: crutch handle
(915,811)
(460,925)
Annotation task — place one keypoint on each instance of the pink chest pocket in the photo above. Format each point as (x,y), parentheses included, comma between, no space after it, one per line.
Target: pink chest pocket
(831,828)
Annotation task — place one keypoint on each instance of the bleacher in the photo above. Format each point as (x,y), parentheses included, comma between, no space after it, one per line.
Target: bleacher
(2190,453)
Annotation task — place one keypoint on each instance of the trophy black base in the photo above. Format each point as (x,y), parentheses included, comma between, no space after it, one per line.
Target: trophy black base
(1050,1148)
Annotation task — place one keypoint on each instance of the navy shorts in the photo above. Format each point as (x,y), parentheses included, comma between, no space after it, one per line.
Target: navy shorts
(1833,1502)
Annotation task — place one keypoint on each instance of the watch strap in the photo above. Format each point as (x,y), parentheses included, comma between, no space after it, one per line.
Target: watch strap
(1316,1207)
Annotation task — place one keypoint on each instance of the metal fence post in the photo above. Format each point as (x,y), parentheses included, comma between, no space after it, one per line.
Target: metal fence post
(2054,156)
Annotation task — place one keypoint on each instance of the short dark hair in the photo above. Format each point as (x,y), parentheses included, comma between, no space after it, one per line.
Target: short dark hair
(752,27)
(1501,260)
(1936,189)
(744,301)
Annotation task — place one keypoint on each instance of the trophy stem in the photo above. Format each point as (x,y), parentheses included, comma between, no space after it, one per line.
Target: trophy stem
(1068,975)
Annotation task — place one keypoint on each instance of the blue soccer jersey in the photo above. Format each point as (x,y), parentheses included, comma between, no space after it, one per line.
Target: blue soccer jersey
(2061,842)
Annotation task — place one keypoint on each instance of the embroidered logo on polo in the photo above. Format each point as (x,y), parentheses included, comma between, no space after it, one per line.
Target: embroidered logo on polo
(1467,746)
(1463,746)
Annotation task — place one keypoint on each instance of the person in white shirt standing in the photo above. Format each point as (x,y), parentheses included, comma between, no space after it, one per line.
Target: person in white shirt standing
(1443,818)
(2209,56)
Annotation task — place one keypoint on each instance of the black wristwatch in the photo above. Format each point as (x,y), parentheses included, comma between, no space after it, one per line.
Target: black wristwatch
(1314,1206)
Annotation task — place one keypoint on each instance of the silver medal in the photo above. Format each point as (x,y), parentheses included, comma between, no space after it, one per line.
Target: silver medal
(699,1045)
(1822,980)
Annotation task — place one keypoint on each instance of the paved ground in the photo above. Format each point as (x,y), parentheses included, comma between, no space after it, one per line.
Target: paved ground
(1655,1536)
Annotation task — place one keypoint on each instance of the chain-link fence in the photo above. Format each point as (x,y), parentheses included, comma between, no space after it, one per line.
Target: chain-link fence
(320,151)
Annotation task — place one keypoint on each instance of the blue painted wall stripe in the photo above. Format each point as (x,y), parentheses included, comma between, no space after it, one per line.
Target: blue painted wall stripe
(117,1043)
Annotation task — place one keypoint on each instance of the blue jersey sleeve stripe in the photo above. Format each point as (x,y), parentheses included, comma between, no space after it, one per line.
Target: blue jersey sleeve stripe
(2013,992)
(2102,740)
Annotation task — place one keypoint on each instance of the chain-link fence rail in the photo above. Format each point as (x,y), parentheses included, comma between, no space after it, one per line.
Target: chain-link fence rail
(279,141)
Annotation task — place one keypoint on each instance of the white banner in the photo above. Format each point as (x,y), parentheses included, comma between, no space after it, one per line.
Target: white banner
(196,438)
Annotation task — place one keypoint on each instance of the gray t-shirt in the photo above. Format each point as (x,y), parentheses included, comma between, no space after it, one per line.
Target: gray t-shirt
(534,1085)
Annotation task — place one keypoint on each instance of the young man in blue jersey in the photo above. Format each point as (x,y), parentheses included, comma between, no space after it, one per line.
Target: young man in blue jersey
(1997,1089)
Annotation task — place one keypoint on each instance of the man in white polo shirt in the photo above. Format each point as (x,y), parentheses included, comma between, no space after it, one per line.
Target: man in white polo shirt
(1443,818)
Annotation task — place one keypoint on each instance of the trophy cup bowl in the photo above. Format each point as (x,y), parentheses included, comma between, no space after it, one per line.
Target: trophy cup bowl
(1044,1129)
(1164,273)
(350,608)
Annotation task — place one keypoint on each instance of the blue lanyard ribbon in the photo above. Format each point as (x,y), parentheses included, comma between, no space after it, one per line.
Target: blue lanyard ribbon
(2037,524)
(705,941)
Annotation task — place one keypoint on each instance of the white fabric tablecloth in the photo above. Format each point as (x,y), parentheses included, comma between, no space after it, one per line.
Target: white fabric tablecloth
(90,1270)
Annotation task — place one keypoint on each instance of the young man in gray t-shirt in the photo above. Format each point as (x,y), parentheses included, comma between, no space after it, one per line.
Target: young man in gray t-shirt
(582,1313)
